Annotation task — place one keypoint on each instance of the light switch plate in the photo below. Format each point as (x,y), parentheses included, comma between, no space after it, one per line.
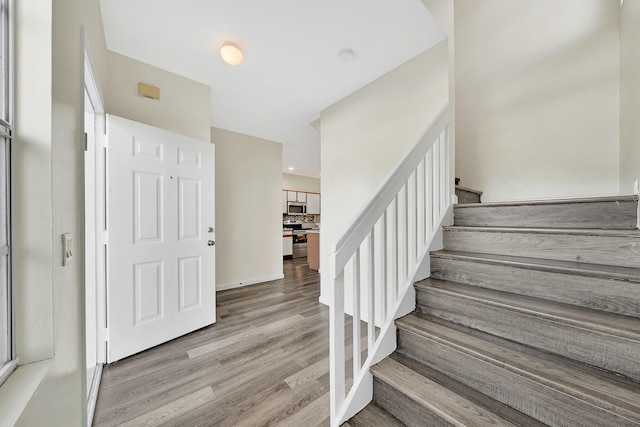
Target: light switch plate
(67,249)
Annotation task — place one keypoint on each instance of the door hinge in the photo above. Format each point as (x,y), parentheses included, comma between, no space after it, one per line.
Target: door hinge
(86,141)
(102,140)
(103,237)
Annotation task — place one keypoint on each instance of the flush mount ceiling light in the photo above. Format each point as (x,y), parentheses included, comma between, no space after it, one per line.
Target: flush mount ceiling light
(346,55)
(231,54)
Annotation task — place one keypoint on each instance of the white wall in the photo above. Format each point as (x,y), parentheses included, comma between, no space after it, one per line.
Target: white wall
(32,201)
(184,106)
(92,23)
(629,95)
(442,12)
(248,209)
(365,135)
(300,183)
(537,97)
(48,185)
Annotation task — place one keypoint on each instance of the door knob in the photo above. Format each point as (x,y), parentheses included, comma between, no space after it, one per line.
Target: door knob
(210,229)
(211,243)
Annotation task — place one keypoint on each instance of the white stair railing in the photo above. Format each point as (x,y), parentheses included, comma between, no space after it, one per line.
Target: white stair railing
(376,262)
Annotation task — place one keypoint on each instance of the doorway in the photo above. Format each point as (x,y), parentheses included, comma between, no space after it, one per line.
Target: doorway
(94,232)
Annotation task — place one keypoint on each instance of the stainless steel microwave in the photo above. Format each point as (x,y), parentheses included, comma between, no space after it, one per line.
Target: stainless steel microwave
(296,208)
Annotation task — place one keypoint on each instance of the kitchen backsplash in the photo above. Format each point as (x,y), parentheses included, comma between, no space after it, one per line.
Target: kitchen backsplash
(303,218)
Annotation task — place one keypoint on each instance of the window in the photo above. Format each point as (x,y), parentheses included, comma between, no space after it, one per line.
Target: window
(6,131)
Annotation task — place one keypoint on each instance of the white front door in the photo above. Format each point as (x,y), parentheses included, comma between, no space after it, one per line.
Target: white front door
(161,272)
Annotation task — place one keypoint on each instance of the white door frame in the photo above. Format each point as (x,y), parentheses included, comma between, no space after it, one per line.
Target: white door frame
(95,241)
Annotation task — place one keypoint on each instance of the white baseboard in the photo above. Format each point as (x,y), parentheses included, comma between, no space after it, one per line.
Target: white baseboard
(324,301)
(234,285)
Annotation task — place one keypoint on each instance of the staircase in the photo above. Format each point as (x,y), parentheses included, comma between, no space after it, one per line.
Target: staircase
(531,317)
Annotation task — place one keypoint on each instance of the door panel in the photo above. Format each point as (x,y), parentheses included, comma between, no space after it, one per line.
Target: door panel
(142,148)
(161,272)
(189,208)
(148,208)
(190,283)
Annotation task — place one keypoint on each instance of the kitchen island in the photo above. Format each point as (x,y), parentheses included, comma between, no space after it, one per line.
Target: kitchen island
(313,249)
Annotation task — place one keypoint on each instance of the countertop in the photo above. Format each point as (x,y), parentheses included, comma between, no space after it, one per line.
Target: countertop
(289,231)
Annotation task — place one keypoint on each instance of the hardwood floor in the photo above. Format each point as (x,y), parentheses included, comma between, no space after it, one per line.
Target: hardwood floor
(264,363)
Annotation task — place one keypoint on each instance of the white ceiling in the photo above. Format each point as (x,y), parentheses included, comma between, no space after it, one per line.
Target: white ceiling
(291,69)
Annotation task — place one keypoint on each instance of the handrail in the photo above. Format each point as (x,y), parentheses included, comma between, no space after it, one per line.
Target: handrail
(390,239)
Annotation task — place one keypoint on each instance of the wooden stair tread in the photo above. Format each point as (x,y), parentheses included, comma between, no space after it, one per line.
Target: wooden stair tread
(569,267)
(615,213)
(504,411)
(624,198)
(470,190)
(595,339)
(609,323)
(604,389)
(373,416)
(592,286)
(609,247)
(632,234)
(450,406)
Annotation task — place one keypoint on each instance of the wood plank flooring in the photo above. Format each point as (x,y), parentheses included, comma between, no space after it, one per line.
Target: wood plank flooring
(264,363)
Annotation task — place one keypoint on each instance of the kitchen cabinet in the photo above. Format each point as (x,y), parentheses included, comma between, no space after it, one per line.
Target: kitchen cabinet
(287,245)
(297,196)
(313,204)
(313,250)
(312,200)
(285,195)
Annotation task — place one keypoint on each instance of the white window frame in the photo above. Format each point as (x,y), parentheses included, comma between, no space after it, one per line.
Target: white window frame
(6,133)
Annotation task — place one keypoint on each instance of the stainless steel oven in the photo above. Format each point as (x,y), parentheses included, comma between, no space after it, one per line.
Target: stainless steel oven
(299,238)
(299,244)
